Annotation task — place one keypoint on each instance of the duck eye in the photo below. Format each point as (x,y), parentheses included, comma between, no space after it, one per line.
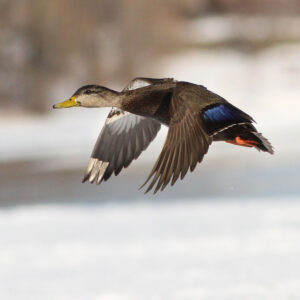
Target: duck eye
(88,92)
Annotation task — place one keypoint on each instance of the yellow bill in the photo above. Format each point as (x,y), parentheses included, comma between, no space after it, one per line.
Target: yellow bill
(68,103)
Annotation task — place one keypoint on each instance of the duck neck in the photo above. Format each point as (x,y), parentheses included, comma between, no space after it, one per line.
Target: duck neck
(110,99)
(115,99)
(147,101)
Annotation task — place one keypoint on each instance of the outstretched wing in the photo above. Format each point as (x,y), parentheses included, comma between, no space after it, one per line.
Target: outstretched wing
(185,145)
(121,140)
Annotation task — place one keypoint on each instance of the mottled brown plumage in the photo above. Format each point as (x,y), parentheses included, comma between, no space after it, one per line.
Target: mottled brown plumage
(195,116)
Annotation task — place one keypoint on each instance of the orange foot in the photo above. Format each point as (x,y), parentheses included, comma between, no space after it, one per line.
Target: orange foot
(246,143)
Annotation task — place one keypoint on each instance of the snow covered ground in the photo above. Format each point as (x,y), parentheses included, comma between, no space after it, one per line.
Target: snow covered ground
(206,249)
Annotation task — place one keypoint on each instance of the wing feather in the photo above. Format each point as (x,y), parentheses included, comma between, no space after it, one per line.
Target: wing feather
(117,148)
(122,139)
(185,146)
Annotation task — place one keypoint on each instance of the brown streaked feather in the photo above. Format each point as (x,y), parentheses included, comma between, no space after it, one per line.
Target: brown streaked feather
(185,146)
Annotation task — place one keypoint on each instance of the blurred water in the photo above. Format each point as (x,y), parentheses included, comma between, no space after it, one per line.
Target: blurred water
(207,181)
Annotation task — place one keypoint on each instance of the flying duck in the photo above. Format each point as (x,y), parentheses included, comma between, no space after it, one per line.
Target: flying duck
(196,117)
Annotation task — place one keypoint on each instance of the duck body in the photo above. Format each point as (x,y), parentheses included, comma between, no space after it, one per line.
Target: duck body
(196,117)
(149,102)
(221,120)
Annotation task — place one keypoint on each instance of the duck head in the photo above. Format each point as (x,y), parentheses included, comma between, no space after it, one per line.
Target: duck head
(91,96)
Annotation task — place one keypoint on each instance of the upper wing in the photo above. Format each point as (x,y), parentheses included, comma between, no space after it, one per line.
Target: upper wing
(185,145)
(121,140)
(140,82)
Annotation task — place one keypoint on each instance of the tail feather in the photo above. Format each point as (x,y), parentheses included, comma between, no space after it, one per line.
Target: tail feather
(225,122)
(244,134)
(264,144)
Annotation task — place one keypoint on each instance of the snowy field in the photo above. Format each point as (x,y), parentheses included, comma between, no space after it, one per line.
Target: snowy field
(206,249)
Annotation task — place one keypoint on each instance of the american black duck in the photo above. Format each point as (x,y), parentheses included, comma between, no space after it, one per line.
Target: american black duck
(196,117)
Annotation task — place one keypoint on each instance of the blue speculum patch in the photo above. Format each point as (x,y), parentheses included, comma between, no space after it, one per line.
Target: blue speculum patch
(221,113)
